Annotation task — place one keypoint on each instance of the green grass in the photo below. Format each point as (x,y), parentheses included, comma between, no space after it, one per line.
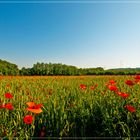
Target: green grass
(69,111)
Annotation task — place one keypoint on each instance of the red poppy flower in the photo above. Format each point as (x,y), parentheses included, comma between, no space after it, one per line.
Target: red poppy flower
(130,108)
(8,95)
(9,106)
(129,82)
(112,87)
(28,119)
(112,82)
(35,108)
(137,77)
(124,95)
(136,80)
(82,86)
(93,87)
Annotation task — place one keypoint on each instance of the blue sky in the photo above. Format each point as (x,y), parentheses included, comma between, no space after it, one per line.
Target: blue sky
(105,34)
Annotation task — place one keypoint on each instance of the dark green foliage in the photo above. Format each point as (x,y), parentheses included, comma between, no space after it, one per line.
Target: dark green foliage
(42,69)
(60,69)
(7,68)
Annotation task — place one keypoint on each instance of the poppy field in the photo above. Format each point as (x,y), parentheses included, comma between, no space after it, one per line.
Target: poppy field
(69,106)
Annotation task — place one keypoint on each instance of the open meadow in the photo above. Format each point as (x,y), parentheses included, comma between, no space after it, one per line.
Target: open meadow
(69,106)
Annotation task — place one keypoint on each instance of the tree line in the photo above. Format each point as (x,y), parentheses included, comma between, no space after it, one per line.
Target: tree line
(7,68)
(42,69)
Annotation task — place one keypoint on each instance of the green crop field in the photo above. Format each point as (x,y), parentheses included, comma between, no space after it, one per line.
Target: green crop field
(69,106)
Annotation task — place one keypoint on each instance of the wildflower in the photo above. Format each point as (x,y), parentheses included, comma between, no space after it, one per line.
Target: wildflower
(130,108)
(112,82)
(93,87)
(124,95)
(28,119)
(137,81)
(129,82)
(8,95)
(137,77)
(35,108)
(82,86)
(112,87)
(9,106)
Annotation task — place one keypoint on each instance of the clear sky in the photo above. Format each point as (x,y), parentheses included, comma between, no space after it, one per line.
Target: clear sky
(84,34)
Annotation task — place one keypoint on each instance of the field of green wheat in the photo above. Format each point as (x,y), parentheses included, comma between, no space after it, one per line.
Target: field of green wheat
(69,106)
